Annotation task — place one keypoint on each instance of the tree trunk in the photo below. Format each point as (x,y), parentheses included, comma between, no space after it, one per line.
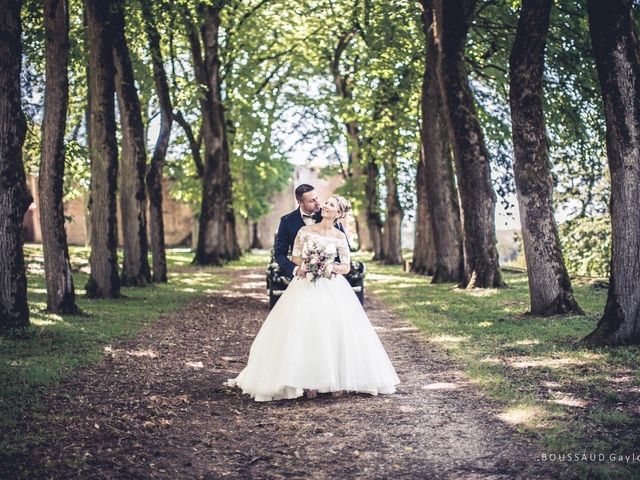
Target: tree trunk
(365,242)
(549,284)
(374,222)
(393,222)
(481,267)
(616,51)
(61,297)
(255,238)
(103,151)
(135,271)
(355,172)
(154,174)
(14,196)
(195,144)
(424,257)
(442,197)
(217,240)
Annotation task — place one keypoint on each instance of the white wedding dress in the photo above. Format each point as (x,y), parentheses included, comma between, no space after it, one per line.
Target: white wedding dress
(317,337)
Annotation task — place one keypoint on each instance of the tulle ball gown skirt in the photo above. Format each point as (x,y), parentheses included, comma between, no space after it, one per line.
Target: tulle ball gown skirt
(317,337)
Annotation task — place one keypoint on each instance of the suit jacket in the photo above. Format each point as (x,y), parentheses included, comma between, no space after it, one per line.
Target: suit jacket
(287,231)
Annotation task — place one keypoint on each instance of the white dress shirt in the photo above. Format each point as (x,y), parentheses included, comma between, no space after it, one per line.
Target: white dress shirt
(307,221)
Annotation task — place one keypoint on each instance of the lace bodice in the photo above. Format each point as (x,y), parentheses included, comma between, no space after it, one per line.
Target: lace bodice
(338,245)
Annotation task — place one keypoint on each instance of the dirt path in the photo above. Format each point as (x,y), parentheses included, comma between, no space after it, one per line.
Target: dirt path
(156,408)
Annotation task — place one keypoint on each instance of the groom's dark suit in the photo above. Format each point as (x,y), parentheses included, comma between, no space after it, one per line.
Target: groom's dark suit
(287,231)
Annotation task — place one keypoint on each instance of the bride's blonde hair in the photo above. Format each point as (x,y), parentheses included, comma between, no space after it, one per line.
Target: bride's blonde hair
(344,206)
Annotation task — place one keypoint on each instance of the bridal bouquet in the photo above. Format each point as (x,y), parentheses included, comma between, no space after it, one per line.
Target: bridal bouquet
(318,261)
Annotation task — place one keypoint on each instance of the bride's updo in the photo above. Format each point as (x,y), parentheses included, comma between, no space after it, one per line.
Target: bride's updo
(344,206)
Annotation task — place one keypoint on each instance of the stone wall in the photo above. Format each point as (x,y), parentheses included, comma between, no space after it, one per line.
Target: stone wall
(178,219)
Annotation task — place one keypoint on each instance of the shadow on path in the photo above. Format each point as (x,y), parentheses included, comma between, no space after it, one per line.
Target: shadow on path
(155,407)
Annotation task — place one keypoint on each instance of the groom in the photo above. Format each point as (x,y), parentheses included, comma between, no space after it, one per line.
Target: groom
(307,213)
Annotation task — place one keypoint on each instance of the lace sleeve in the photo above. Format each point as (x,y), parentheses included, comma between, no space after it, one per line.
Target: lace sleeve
(298,243)
(343,251)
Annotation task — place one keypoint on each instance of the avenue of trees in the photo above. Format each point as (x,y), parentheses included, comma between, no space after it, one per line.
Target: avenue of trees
(435,108)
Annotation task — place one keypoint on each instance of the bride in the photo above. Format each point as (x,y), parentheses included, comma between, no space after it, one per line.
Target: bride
(317,338)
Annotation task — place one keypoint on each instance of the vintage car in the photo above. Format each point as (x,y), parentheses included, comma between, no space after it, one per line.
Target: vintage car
(277,281)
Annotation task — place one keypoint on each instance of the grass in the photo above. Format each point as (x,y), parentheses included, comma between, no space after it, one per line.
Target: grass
(54,345)
(572,398)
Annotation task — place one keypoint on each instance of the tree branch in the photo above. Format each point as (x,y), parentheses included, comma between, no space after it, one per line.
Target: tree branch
(194,143)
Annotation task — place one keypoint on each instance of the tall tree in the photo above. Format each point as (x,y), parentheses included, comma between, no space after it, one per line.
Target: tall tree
(217,240)
(438,178)
(57,267)
(424,255)
(372,201)
(549,285)
(103,151)
(392,109)
(154,174)
(617,55)
(392,231)
(14,196)
(354,169)
(135,268)
(481,267)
